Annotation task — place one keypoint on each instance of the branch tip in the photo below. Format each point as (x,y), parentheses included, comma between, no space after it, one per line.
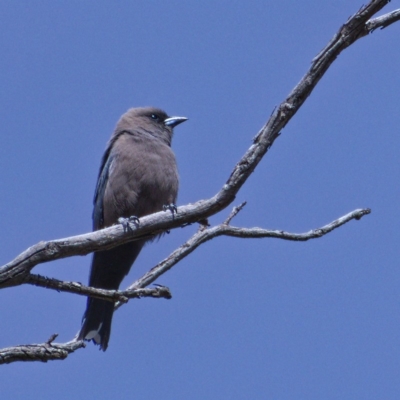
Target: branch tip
(235,211)
(361,213)
(52,338)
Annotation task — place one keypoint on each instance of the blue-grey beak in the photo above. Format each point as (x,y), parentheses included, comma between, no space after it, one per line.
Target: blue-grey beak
(174,121)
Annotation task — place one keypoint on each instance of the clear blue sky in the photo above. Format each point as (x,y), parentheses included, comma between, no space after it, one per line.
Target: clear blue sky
(249,319)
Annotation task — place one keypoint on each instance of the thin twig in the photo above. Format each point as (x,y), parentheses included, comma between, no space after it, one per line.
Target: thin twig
(109,295)
(235,211)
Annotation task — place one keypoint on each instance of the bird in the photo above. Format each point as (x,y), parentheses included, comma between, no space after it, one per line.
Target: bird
(138,176)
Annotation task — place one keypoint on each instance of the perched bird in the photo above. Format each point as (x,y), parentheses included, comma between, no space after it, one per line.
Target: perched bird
(137,177)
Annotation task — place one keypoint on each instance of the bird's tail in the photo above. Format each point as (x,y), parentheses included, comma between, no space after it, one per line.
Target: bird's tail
(108,269)
(96,323)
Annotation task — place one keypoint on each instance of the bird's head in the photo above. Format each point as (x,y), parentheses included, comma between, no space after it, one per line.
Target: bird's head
(149,121)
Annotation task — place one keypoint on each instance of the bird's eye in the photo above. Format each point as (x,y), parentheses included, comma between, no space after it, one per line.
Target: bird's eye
(155,117)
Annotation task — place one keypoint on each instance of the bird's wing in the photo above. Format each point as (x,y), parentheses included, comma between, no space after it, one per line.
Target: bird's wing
(98,210)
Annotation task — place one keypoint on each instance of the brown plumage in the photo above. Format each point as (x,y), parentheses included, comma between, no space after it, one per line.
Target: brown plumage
(137,177)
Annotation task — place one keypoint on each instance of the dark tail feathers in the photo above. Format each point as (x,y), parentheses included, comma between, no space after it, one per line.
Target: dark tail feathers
(96,324)
(108,269)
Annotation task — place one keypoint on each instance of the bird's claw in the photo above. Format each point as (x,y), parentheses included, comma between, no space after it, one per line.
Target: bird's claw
(125,222)
(171,207)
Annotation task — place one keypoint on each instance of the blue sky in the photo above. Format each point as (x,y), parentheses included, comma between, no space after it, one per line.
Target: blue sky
(259,319)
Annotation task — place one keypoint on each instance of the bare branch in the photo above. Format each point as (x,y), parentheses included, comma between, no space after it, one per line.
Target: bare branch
(256,233)
(234,212)
(39,352)
(58,351)
(111,295)
(224,229)
(383,21)
(138,290)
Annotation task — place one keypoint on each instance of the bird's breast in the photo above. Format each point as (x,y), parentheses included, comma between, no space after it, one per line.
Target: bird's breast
(143,178)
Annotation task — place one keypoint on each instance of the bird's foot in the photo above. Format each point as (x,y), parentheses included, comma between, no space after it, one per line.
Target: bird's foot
(125,222)
(171,207)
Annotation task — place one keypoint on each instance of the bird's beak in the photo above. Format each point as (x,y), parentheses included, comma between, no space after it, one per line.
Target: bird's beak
(174,121)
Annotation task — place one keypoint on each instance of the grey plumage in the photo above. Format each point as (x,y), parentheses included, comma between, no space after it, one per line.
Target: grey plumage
(137,177)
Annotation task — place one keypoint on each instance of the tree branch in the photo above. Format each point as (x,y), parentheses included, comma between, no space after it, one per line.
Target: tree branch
(383,21)
(206,234)
(59,351)
(110,295)
(39,352)
(137,289)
